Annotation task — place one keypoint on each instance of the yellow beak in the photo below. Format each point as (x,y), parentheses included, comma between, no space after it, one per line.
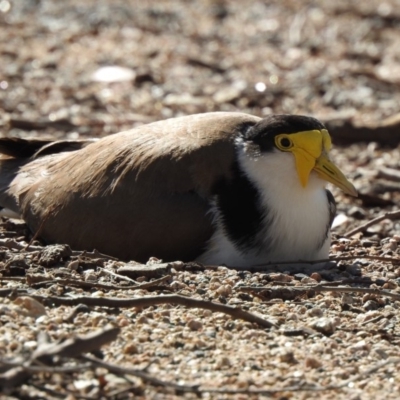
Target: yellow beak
(310,151)
(327,170)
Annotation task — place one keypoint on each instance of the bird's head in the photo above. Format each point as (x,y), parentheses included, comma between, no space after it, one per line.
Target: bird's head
(307,139)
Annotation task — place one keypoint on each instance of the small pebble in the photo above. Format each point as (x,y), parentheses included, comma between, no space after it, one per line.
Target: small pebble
(122,321)
(280,277)
(381,353)
(142,320)
(131,348)
(370,305)
(224,290)
(73,265)
(356,212)
(347,298)
(90,276)
(361,345)
(223,362)
(195,325)
(291,317)
(368,243)
(369,296)
(315,312)
(30,344)
(30,307)
(325,325)
(316,276)
(14,345)
(287,357)
(338,247)
(390,285)
(354,269)
(308,280)
(391,245)
(178,285)
(312,362)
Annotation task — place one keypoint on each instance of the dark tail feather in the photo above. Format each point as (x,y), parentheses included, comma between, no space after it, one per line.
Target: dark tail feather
(22,148)
(18,152)
(9,168)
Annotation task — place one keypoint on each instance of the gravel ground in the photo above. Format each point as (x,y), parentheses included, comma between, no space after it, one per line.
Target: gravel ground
(305,334)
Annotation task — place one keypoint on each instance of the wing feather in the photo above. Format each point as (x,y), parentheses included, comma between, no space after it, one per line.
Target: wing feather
(140,193)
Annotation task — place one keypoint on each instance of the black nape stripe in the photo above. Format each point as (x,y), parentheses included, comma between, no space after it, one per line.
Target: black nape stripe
(239,204)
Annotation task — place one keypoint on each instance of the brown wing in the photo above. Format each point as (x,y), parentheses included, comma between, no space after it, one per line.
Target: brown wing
(136,194)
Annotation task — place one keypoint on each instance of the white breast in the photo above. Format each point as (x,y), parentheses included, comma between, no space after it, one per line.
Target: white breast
(295,227)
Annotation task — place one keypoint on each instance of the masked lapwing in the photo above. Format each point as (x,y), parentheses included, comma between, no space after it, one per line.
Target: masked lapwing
(220,188)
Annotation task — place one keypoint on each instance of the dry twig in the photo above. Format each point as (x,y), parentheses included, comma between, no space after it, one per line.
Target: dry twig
(392,215)
(14,245)
(17,373)
(266,391)
(75,346)
(147,301)
(292,292)
(138,373)
(293,267)
(91,285)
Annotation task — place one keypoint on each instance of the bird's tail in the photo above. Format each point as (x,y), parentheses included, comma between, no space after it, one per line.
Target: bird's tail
(33,148)
(17,152)
(21,148)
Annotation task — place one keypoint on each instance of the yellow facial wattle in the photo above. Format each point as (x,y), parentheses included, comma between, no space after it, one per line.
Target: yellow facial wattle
(310,150)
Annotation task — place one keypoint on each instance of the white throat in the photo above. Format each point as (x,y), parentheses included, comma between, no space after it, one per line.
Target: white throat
(297,218)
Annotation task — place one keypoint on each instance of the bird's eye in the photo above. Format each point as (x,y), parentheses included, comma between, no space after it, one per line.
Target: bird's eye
(284,143)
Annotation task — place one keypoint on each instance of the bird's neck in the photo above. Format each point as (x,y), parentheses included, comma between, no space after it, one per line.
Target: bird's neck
(264,214)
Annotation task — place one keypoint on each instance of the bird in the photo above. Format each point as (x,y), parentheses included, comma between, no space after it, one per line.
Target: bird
(220,188)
